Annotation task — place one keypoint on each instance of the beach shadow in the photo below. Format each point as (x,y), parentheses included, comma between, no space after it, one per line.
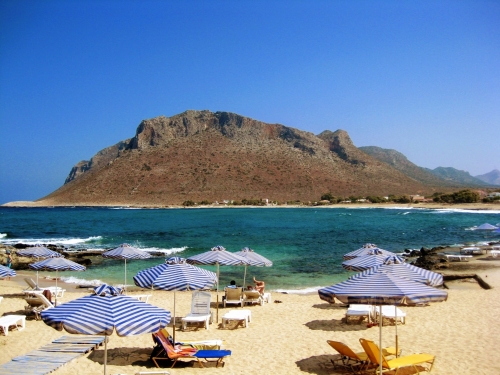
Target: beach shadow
(329,306)
(334,325)
(321,365)
(123,357)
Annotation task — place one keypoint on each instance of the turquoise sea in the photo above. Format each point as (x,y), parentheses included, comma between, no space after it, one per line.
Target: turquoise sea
(305,244)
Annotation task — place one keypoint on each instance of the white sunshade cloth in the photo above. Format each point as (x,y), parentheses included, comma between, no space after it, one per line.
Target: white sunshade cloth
(365,262)
(105,313)
(6,271)
(407,271)
(367,249)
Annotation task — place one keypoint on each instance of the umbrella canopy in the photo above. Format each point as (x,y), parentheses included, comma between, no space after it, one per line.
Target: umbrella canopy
(175,274)
(218,255)
(365,262)
(105,312)
(57,264)
(38,251)
(407,271)
(367,249)
(253,259)
(486,226)
(382,289)
(6,271)
(125,251)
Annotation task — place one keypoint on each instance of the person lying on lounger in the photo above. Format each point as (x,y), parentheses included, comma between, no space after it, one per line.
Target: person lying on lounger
(259,285)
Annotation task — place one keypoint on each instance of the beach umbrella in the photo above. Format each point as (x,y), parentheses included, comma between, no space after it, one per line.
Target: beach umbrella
(382,289)
(486,226)
(253,259)
(217,255)
(175,274)
(38,252)
(6,271)
(125,251)
(367,249)
(104,312)
(57,264)
(405,270)
(365,262)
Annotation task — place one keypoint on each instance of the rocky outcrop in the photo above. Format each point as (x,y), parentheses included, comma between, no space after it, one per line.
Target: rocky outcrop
(103,157)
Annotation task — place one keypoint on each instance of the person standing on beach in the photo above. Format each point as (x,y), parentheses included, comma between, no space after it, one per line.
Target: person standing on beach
(9,261)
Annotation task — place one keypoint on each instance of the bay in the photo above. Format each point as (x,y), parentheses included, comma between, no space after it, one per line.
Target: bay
(305,244)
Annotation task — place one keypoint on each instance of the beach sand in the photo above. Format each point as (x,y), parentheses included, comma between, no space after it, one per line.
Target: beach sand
(290,337)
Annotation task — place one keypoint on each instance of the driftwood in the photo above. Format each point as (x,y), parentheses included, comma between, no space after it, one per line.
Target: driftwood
(479,280)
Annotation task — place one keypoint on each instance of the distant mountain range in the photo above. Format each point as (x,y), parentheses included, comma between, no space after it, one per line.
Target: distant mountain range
(201,155)
(492,178)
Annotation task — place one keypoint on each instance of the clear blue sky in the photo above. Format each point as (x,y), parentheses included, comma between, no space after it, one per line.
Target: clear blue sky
(420,77)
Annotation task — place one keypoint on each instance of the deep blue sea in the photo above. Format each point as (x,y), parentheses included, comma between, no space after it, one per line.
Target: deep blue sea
(305,244)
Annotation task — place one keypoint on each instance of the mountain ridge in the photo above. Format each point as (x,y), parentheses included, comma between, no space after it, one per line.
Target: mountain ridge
(204,155)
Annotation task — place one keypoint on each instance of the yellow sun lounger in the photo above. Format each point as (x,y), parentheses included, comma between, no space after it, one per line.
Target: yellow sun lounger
(412,360)
(357,362)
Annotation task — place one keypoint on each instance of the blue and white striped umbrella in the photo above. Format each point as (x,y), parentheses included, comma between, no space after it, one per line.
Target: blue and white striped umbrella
(125,251)
(253,259)
(365,262)
(407,271)
(382,289)
(218,255)
(6,271)
(367,249)
(104,312)
(57,264)
(38,251)
(175,274)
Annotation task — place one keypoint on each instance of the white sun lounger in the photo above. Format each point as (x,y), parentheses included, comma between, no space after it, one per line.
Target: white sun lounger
(200,310)
(391,312)
(359,311)
(240,315)
(12,320)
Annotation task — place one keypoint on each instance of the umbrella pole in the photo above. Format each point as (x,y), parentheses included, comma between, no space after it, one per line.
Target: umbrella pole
(396,321)
(105,353)
(174,317)
(125,281)
(380,337)
(55,303)
(244,277)
(217,317)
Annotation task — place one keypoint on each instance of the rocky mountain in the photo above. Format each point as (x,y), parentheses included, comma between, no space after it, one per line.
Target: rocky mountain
(491,178)
(201,155)
(400,162)
(458,176)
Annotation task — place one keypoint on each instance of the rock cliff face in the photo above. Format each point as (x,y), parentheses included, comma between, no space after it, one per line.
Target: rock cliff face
(201,155)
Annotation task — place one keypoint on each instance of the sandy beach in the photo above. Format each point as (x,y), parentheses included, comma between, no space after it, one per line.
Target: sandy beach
(290,337)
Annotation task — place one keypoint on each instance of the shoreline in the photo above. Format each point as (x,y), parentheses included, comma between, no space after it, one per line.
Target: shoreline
(432,206)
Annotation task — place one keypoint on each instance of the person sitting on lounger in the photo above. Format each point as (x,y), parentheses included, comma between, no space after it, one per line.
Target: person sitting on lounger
(259,285)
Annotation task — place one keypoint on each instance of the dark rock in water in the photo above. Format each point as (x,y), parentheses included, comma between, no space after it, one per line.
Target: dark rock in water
(82,261)
(21,246)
